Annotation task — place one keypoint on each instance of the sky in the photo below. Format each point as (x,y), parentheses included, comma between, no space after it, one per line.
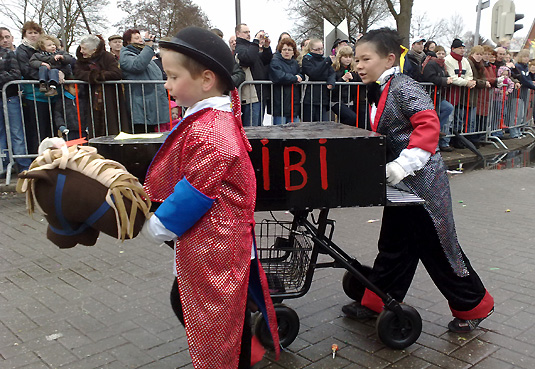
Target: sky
(273,17)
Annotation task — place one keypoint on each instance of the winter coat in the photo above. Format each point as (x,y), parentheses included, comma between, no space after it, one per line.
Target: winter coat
(100,67)
(413,66)
(485,96)
(249,56)
(24,54)
(9,71)
(525,78)
(283,73)
(238,75)
(460,75)
(149,102)
(318,68)
(63,65)
(478,70)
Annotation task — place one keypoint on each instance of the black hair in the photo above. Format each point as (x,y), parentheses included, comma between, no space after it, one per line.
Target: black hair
(386,41)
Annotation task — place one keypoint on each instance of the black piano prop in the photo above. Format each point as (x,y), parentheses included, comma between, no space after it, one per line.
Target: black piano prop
(302,167)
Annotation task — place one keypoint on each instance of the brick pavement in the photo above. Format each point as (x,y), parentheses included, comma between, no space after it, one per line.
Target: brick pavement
(107,306)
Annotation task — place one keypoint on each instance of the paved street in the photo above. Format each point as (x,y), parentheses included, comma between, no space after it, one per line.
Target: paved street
(107,306)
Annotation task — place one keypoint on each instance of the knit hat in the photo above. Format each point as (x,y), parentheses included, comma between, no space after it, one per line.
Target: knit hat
(502,69)
(173,104)
(457,43)
(115,37)
(206,48)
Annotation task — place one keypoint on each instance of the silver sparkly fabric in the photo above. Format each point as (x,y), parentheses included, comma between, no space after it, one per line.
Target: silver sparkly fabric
(406,98)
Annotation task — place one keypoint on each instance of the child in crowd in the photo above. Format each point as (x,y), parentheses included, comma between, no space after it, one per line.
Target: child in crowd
(404,113)
(318,69)
(66,114)
(205,182)
(50,61)
(345,97)
(504,83)
(175,118)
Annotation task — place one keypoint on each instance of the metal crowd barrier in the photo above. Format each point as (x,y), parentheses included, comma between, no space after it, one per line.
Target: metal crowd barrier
(107,108)
(99,109)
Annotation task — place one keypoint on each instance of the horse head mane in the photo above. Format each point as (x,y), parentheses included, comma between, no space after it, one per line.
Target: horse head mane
(113,175)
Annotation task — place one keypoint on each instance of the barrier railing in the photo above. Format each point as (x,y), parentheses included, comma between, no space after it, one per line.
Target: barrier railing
(135,106)
(88,110)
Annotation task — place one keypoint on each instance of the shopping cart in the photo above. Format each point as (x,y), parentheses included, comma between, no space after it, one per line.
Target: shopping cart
(288,252)
(306,169)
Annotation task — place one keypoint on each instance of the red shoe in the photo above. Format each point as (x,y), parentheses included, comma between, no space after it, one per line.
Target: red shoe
(257,351)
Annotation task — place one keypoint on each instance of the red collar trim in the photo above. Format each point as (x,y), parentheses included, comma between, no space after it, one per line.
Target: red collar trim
(380,106)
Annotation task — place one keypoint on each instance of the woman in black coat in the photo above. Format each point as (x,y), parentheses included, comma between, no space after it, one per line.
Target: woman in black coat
(318,69)
(95,65)
(284,72)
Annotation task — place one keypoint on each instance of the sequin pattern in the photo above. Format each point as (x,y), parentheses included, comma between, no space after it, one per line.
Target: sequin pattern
(431,182)
(209,148)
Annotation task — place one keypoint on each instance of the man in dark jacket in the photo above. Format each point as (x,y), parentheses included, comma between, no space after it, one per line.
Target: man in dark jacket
(414,59)
(254,57)
(9,71)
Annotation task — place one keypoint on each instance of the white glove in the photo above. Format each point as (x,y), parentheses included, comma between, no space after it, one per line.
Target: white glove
(394,173)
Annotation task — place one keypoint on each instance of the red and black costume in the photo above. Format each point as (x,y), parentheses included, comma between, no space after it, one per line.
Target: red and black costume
(406,116)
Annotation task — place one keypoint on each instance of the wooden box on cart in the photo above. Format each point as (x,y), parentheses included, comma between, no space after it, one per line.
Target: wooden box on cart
(298,166)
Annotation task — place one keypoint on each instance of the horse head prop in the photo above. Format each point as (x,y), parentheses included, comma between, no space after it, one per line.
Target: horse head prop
(83,194)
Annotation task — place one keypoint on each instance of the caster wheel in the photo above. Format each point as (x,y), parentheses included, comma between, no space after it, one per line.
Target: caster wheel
(352,286)
(288,323)
(399,334)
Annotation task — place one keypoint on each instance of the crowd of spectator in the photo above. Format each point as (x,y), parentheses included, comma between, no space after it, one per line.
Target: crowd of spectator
(471,91)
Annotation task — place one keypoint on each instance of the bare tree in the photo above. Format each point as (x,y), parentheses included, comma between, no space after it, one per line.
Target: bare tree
(161,17)
(455,28)
(360,14)
(402,17)
(46,13)
(421,26)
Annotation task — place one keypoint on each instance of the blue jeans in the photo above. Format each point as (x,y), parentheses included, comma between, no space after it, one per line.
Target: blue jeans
(444,112)
(16,132)
(251,114)
(283,120)
(515,117)
(46,75)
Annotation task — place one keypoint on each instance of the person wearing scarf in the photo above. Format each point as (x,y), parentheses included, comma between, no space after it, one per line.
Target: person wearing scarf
(414,59)
(458,68)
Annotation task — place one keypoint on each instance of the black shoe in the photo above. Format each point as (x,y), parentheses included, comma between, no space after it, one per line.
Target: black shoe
(465,326)
(356,311)
(446,148)
(43,87)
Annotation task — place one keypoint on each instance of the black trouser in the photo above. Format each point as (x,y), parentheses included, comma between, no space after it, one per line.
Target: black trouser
(245,352)
(407,236)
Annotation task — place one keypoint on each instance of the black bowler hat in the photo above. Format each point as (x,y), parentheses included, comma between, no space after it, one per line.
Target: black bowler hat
(205,47)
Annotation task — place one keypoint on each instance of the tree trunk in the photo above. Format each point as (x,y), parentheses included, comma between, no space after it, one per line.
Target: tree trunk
(403,18)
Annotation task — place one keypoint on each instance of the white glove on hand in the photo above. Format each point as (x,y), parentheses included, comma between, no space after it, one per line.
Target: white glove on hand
(394,173)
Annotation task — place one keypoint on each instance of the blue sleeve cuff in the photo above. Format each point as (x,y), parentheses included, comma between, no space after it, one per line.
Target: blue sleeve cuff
(183,208)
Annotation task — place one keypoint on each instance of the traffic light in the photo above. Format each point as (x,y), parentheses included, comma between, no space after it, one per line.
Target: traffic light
(504,19)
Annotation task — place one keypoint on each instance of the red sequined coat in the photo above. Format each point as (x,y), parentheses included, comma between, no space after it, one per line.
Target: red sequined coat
(213,257)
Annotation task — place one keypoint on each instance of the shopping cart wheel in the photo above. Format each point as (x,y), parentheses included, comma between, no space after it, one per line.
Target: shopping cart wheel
(288,322)
(352,286)
(399,333)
